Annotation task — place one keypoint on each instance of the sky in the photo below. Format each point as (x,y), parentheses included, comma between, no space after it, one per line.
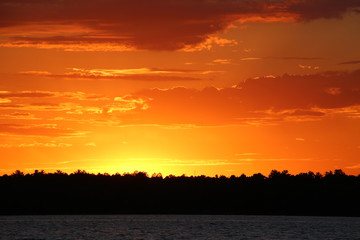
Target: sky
(195,87)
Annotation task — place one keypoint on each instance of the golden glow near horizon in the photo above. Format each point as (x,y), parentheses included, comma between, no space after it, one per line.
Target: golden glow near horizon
(227,88)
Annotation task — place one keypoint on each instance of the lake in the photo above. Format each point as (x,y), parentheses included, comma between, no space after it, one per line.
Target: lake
(111,227)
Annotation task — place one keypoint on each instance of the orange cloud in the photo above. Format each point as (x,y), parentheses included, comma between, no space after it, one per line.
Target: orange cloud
(221,61)
(4,100)
(350,62)
(129,102)
(250,59)
(16,95)
(261,100)
(140,74)
(51,144)
(294,58)
(308,67)
(25,102)
(126,104)
(49,130)
(19,115)
(140,24)
(255,101)
(26,94)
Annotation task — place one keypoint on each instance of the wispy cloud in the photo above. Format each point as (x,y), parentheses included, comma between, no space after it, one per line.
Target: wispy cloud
(356,166)
(26,94)
(50,130)
(221,61)
(19,115)
(52,144)
(272,159)
(350,62)
(308,67)
(247,154)
(250,59)
(295,58)
(140,74)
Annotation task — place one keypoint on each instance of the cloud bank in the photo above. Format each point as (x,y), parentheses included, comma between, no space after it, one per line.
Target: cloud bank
(141,24)
(259,99)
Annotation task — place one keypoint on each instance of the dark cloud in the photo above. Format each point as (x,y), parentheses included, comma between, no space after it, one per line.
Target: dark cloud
(269,99)
(157,24)
(350,62)
(323,90)
(314,9)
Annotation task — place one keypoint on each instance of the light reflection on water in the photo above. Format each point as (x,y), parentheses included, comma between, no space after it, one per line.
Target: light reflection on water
(116,227)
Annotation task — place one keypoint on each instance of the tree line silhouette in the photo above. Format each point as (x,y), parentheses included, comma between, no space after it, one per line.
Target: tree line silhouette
(333,193)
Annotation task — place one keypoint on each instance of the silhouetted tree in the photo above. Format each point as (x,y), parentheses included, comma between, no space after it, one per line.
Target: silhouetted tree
(18,173)
(80,192)
(258,177)
(339,172)
(60,173)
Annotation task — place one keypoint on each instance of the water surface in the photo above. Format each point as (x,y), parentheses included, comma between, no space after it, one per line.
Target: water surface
(116,227)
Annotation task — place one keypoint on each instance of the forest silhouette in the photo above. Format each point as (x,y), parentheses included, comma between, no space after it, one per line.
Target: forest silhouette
(279,193)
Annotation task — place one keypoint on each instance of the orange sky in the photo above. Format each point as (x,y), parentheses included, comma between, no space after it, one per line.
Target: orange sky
(181,86)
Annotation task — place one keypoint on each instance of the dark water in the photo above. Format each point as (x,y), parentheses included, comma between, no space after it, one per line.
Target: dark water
(118,227)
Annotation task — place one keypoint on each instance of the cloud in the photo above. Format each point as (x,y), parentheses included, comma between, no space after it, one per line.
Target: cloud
(52,144)
(26,104)
(294,58)
(68,46)
(49,130)
(138,74)
(37,106)
(221,162)
(127,103)
(356,166)
(333,90)
(43,100)
(90,144)
(285,59)
(141,24)
(350,62)
(250,59)
(26,94)
(322,90)
(315,9)
(260,100)
(247,154)
(19,115)
(302,112)
(221,61)
(254,101)
(46,101)
(4,100)
(308,67)
(209,43)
